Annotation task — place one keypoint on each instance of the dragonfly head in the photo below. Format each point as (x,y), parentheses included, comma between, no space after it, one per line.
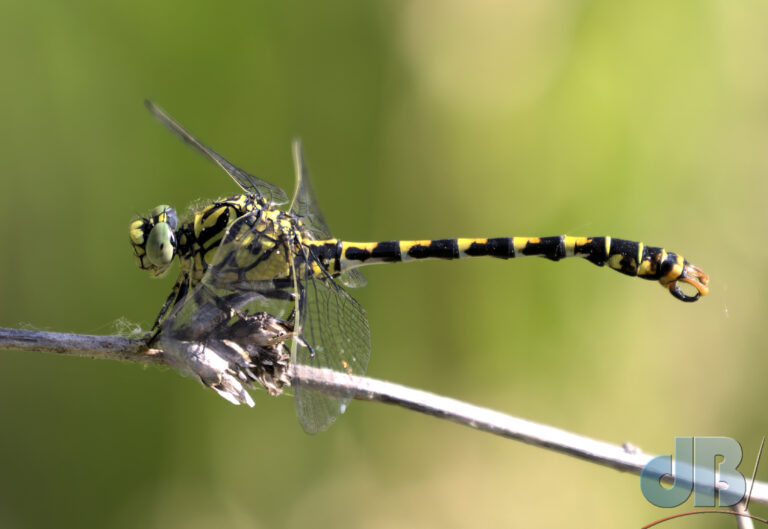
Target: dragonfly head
(153,239)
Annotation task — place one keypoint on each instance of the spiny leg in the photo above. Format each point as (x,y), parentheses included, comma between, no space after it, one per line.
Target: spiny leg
(178,292)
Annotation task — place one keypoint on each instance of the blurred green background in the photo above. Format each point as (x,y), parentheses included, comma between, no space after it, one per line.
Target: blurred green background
(643,120)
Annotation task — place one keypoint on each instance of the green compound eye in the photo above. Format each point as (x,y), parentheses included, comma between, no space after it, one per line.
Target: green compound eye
(161,245)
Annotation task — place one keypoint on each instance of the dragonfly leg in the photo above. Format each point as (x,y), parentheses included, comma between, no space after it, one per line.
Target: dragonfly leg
(164,309)
(178,291)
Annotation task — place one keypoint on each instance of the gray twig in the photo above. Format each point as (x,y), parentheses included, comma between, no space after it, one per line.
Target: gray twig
(743,521)
(624,458)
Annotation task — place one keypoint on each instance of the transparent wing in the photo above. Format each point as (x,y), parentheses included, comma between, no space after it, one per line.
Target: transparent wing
(335,336)
(197,339)
(306,208)
(327,327)
(231,330)
(331,327)
(353,278)
(248,182)
(304,204)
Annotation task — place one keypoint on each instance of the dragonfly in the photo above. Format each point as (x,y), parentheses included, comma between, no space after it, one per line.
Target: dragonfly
(263,284)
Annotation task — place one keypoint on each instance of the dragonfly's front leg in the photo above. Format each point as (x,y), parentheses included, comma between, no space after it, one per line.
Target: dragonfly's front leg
(178,292)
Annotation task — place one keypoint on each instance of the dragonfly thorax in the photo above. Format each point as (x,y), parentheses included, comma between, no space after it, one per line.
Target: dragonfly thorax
(153,239)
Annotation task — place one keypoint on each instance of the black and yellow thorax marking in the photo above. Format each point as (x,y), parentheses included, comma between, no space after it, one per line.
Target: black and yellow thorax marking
(242,237)
(255,249)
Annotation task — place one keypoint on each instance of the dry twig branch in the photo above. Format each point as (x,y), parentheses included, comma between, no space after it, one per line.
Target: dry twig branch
(618,457)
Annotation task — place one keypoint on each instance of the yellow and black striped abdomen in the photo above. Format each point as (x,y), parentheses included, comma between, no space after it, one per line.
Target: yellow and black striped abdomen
(628,257)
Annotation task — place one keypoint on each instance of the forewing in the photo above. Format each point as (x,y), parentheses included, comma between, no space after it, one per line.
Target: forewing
(335,329)
(248,182)
(222,287)
(304,204)
(331,325)
(197,335)
(306,208)
(190,341)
